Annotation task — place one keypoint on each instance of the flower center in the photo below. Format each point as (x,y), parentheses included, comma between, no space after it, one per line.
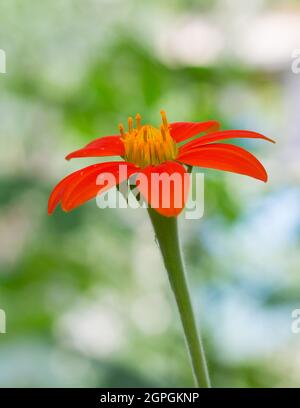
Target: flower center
(146,145)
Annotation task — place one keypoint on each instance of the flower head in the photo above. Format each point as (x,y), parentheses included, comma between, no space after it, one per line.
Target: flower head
(147,150)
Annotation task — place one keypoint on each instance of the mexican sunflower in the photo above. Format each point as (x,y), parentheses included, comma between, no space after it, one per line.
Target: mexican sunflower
(146,150)
(172,150)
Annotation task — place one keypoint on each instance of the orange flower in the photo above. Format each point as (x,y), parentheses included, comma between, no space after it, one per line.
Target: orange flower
(148,150)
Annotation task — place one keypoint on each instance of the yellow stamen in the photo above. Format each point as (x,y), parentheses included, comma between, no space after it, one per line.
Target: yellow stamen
(146,145)
(138,121)
(130,124)
(163,133)
(145,134)
(164,119)
(121,127)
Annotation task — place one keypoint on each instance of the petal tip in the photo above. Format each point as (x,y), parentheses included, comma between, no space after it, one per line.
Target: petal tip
(268,139)
(50,209)
(264,177)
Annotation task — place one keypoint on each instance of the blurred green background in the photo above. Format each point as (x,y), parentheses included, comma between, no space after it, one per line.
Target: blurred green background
(85,294)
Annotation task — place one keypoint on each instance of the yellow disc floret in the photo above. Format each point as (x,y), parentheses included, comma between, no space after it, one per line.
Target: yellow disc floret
(146,145)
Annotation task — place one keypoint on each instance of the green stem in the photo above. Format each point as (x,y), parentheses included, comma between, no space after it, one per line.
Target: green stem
(166,232)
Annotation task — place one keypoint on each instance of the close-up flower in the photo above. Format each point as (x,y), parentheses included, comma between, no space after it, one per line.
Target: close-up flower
(146,149)
(149,151)
(149,197)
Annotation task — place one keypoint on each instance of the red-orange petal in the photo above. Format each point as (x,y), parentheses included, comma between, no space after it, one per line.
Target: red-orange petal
(181,131)
(221,156)
(86,187)
(103,146)
(165,187)
(81,186)
(57,192)
(222,135)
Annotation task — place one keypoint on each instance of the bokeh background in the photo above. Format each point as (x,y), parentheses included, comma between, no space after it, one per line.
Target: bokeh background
(86,297)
